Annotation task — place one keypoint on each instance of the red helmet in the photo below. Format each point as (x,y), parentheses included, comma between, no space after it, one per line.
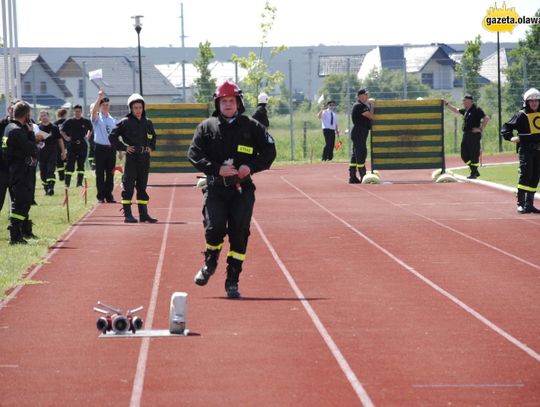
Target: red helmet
(229,88)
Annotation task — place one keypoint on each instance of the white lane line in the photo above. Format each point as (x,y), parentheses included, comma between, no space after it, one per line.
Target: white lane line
(351,377)
(465,385)
(474,239)
(138,382)
(426,280)
(58,245)
(513,256)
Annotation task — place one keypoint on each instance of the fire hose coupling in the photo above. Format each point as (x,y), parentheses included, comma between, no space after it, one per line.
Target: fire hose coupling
(116,321)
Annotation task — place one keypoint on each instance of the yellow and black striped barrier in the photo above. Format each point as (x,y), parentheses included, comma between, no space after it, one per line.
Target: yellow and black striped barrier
(408,134)
(174,125)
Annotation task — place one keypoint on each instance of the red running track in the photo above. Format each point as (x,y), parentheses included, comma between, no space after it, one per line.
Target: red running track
(407,293)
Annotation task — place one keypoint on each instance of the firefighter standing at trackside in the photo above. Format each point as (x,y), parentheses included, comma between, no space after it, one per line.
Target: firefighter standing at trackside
(361,115)
(527,124)
(229,147)
(474,123)
(21,152)
(135,135)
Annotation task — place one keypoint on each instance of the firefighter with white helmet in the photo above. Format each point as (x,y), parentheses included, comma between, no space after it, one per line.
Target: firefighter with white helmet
(527,124)
(261,113)
(135,135)
(229,148)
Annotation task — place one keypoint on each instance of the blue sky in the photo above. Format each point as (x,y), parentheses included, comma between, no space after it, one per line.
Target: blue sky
(107,23)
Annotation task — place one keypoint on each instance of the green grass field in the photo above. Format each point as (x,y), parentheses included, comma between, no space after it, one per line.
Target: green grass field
(50,222)
(501,174)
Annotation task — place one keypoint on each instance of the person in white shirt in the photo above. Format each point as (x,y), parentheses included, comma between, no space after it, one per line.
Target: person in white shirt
(329,122)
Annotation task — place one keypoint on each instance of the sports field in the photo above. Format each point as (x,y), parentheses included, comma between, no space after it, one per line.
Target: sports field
(406,293)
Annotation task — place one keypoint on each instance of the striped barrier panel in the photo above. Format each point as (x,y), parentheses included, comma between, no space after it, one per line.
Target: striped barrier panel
(408,134)
(175,125)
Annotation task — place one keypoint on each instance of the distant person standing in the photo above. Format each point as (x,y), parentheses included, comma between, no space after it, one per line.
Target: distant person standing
(4,171)
(76,131)
(53,145)
(361,116)
(61,117)
(261,113)
(474,122)
(330,129)
(105,153)
(21,152)
(527,124)
(135,135)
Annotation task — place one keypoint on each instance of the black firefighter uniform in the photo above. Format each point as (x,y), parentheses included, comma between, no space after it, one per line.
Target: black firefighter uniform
(227,201)
(20,151)
(527,124)
(140,134)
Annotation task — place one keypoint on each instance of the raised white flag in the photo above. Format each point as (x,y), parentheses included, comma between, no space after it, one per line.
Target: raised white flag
(97,74)
(321,99)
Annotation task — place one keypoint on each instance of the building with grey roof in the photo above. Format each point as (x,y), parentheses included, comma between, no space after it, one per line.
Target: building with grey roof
(119,80)
(40,86)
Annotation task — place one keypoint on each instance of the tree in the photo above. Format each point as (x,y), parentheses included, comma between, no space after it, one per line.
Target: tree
(470,66)
(258,77)
(204,85)
(526,58)
(389,84)
(335,88)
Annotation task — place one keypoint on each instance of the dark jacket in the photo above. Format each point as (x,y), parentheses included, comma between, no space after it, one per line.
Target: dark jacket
(19,147)
(520,122)
(261,115)
(244,140)
(131,131)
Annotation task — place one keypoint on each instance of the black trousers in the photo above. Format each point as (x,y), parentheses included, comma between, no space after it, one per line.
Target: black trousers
(529,166)
(135,177)
(329,140)
(470,148)
(4,183)
(60,163)
(91,151)
(47,164)
(21,189)
(228,212)
(105,161)
(77,152)
(359,137)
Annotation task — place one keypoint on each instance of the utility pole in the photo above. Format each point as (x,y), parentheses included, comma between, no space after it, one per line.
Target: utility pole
(309,82)
(7,77)
(182,37)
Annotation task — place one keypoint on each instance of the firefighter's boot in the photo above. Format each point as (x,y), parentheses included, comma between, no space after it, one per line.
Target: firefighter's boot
(231,283)
(67,179)
(521,201)
(529,204)
(80,179)
(26,228)
(362,172)
(15,232)
(474,172)
(353,179)
(50,188)
(210,264)
(144,216)
(128,216)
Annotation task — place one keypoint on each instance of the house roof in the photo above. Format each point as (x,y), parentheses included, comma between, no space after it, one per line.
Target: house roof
(391,56)
(121,75)
(339,64)
(418,57)
(25,63)
(489,66)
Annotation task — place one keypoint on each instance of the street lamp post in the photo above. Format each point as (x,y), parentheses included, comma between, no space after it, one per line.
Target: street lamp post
(138,28)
